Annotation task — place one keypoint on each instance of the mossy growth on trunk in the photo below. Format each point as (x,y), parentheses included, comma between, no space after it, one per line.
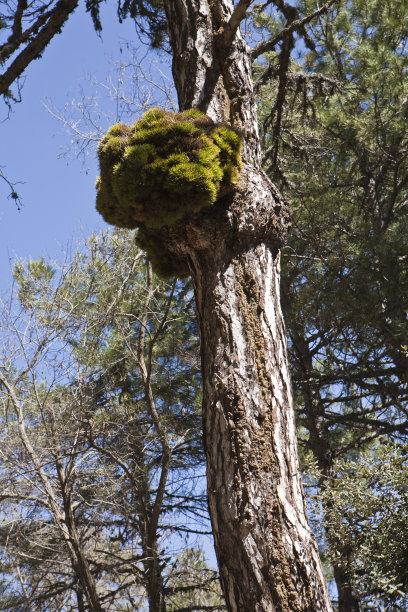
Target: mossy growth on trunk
(163,168)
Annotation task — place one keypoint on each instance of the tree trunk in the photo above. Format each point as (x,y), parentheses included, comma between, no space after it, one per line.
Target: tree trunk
(267,555)
(79,561)
(154,580)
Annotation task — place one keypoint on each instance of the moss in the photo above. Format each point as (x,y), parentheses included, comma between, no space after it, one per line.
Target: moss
(119,129)
(195,179)
(165,167)
(229,144)
(151,118)
(194,113)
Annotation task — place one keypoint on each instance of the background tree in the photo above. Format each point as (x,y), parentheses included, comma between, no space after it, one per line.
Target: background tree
(340,156)
(101,471)
(366,510)
(183,587)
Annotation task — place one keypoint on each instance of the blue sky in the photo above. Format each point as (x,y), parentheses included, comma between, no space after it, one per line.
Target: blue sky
(58,196)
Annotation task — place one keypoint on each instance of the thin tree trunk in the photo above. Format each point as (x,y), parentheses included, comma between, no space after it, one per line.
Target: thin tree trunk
(80,598)
(154,578)
(79,560)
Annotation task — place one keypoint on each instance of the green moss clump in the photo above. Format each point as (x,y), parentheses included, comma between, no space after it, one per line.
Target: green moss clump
(164,167)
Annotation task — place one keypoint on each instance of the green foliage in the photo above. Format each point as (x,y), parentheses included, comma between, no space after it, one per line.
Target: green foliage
(163,168)
(32,277)
(346,173)
(342,162)
(193,585)
(368,516)
(104,359)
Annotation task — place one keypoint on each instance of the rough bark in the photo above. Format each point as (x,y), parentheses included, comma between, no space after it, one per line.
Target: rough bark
(267,554)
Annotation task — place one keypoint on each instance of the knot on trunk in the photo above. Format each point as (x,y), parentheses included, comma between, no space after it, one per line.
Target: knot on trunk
(255,213)
(177,178)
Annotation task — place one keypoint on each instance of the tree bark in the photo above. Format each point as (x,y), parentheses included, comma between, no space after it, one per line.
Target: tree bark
(267,555)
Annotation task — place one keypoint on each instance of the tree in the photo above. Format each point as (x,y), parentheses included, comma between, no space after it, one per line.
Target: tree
(365,509)
(101,463)
(341,160)
(267,554)
(191,570)
(30,27)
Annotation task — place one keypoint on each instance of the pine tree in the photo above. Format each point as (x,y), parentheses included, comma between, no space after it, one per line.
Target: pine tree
(101,464)
(341,160)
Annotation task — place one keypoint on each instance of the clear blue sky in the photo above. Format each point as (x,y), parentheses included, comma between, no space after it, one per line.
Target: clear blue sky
(58,197)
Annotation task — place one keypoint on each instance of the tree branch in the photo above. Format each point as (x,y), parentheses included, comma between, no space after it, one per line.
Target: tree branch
(292,26)
(59,15)
(237,16)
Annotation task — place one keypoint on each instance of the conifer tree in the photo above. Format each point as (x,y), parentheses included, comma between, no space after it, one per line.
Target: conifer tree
(101,461)
(341,159)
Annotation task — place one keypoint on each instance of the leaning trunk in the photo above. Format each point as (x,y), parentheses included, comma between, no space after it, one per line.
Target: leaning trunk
(267,555)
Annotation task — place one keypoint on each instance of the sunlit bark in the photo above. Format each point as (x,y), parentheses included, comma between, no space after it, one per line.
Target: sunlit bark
(267,554)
